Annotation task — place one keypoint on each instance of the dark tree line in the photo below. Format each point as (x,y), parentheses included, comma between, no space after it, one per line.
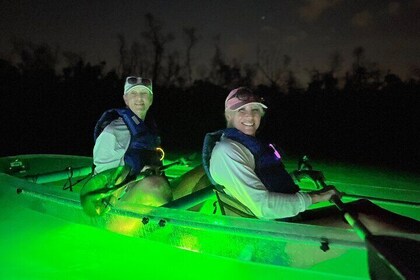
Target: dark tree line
(365,116)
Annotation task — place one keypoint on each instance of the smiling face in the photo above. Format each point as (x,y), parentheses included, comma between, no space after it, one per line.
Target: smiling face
(247,119)
(139,101)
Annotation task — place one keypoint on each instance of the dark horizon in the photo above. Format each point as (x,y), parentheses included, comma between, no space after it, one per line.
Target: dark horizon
(298,36)
(366,122)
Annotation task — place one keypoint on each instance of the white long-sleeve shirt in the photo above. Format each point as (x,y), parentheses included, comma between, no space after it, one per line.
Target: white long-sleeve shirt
(111,145)
(232,165)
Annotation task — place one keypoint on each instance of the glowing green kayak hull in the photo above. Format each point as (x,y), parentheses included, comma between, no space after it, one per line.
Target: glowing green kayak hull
(290,249)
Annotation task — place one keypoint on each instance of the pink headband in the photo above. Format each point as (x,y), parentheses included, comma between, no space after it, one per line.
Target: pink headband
(240,97)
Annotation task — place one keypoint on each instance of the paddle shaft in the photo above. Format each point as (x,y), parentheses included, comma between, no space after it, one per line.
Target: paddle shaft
(354,222)
(387,255)
(385,262)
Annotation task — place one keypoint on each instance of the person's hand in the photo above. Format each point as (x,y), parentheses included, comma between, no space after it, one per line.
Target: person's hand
(324,195)
(150,170)
(146,167)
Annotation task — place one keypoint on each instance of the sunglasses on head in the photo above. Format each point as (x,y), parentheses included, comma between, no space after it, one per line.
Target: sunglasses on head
(132,80)
(247,95)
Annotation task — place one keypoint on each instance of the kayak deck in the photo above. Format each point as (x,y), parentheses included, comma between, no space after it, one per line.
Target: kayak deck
(284,245)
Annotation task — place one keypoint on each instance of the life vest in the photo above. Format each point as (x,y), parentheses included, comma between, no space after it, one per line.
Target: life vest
(268,164)
(144,139)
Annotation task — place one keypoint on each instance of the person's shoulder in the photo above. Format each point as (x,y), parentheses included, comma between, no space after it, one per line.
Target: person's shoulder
(225,144)
(231,148)
(116,125)
(116,130)
(230,144)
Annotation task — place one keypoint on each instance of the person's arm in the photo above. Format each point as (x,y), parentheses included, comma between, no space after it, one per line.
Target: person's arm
(232,166)
(108,151)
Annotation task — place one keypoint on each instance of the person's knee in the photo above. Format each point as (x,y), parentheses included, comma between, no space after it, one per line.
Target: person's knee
(190,182)
(152,191)
(153,182)
(157,186)
(202,183)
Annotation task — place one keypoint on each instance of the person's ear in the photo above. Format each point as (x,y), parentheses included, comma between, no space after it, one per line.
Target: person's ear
(228,116)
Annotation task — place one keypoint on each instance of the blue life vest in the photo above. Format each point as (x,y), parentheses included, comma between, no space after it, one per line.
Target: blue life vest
(268,166)
(143,143)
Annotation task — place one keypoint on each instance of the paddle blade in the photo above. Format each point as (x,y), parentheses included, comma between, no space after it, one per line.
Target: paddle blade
(96,196)
(94,203)
(392,257)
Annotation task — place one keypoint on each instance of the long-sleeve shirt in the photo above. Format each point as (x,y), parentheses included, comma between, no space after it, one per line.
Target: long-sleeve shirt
(232,165)
(111,145)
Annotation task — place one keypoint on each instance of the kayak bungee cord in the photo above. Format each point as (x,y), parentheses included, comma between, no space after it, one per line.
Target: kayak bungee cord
(69,181)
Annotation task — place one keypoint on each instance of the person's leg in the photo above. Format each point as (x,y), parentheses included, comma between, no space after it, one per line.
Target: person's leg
(325,216)
(379,220)
(152,191)
(190,182)
(375,218)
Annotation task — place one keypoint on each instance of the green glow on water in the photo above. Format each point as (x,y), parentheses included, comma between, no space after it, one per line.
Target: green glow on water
(38,246)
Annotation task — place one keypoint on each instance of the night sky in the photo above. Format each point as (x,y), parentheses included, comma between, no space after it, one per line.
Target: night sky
(369,118)
(307,31)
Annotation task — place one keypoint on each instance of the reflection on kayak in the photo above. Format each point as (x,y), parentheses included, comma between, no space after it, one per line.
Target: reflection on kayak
(52,184)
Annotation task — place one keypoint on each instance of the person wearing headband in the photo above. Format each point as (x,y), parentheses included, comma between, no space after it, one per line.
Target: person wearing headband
(251,171)
(128,137)
(128,160)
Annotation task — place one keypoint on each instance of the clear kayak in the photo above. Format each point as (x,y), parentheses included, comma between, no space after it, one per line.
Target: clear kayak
(50,186)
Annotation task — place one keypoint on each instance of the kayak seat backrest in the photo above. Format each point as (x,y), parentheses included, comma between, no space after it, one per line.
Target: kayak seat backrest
(229,206)
(209,142)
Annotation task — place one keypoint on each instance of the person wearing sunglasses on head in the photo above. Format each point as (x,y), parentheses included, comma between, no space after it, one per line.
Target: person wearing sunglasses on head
(127,137)
(251,172)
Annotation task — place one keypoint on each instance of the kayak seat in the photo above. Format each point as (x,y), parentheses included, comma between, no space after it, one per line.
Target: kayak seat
(229,206)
